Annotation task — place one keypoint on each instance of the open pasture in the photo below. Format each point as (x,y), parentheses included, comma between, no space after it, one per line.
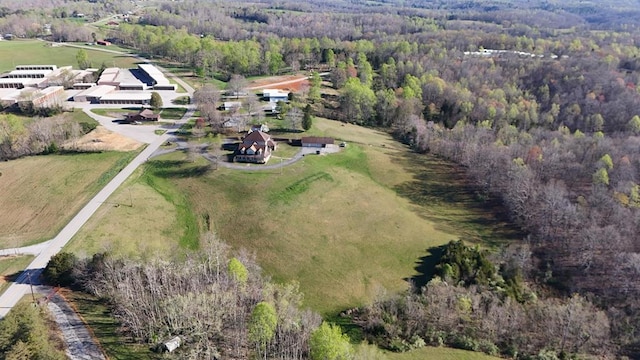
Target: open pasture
(40,194)
(345,226)
(34,52)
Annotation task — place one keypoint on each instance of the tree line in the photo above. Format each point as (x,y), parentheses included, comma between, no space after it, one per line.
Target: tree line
(548,126)
(217,302)
(19,137)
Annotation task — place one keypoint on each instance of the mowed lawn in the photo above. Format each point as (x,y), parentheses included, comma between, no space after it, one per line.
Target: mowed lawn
(33,52)
(40,194)
(345,226)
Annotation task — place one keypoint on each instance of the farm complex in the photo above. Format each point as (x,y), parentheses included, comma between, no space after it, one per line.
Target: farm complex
(44,85)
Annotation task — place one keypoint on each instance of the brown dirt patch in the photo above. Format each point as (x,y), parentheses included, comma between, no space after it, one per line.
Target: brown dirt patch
(286,82)
(102,139)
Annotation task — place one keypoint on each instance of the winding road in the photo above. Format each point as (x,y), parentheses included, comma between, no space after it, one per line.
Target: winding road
(46,250)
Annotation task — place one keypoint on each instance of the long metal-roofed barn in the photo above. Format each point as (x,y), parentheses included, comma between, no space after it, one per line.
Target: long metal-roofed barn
(94,93)
(121,79)
(156,77)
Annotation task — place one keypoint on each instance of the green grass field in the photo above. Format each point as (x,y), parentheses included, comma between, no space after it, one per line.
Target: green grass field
(361,220)
(345,226)
(171,113)
(27,52)
(143,202)
(115,113)
(439,353)
(40,194)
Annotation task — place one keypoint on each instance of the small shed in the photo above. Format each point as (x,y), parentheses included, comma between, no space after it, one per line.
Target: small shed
(171,344)
(314,141)
(230,105)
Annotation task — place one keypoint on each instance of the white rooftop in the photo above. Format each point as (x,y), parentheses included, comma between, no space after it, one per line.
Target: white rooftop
(274,92)
(97,91)
(31,72)
(154,73)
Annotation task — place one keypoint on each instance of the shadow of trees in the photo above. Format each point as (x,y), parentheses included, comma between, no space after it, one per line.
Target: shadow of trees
(426,267)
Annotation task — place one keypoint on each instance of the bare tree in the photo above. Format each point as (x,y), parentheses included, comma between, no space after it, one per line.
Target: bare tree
(206,99)
(237,85)
(294,118)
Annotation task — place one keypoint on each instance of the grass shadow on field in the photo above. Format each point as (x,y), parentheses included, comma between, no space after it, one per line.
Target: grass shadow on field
(167,169)
(426,267)
(444,195)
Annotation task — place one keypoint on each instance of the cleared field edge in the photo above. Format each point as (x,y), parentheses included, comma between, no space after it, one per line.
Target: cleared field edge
(91,190)
(144,201)
(103,180)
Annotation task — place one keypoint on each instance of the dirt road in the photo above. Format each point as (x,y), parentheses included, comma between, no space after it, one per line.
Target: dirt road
(76,335)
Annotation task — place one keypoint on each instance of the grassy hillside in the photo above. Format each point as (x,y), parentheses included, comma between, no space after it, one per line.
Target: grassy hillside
(440,353)
(40,194)
(344,226)
(146,216)
(27,52)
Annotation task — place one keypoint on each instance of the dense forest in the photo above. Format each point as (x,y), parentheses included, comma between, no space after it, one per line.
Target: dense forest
(538,100)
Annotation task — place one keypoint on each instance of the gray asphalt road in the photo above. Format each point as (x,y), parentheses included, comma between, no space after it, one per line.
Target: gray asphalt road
(15,292)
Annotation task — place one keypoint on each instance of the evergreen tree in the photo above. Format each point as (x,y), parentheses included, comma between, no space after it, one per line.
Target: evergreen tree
(307,119)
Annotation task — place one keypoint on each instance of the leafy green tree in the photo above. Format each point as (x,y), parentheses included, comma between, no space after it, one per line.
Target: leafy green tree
(262,326)
(329,343)
(238,271)
(386,106)
(601,177)
(83,59)
(634,125)
(606,161)
(365,71)
(466,265)
(59,269)
(307,119)
(282,108)
(411,87)
(276,62)
(156,101)
(357,101)
(314,89)
(330,57)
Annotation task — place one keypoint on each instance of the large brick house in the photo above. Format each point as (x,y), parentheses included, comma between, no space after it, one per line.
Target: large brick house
(256,147)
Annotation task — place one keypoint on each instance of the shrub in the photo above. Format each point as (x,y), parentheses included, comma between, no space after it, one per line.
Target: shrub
(59,269)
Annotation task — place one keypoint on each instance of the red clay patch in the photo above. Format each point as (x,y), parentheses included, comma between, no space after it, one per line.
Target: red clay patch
(290,82)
